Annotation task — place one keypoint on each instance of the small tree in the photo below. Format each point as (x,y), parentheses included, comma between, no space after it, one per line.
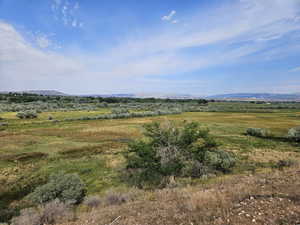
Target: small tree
(170,152)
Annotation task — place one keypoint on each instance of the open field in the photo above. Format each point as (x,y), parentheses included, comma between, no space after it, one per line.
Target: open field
(32,149)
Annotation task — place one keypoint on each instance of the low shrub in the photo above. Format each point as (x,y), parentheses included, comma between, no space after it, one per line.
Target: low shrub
(67,188)
(294,134)
(258,132)
(27,216)
(125,115)
(3,126)
(115,198)
(219,160)
(50,213)
(119,110)
(27,114)
(92,201)
(284,163)
(55,211)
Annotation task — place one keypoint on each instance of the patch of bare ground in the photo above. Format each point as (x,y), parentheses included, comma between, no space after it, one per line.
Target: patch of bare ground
(271,198)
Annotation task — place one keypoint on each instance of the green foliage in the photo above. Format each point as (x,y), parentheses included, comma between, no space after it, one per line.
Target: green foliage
(27,114)
(171,151)
(294,134)
(65,187)
(258,132)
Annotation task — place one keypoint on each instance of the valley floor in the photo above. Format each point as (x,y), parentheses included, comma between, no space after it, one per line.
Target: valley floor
(255,192)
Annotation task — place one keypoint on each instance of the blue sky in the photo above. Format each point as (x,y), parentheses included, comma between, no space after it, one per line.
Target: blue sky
(198,47)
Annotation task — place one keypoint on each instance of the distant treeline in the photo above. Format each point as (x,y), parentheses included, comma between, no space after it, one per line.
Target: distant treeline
(28,97)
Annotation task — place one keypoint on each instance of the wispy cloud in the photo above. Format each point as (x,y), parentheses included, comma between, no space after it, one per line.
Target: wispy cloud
(66,12)
(43,41)
(170,17)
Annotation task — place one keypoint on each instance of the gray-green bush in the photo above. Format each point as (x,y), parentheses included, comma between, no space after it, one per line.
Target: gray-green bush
(294,134)
(27,114)
(258,132)
(92,201)
(67,188)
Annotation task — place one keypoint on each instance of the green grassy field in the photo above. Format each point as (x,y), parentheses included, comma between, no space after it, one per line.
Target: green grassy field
(34,148)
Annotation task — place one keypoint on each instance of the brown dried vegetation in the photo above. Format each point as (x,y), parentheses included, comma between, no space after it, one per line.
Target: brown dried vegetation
(270,198)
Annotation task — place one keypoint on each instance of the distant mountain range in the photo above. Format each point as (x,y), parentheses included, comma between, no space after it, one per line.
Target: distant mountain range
(257,96)
(236,96)
(45,92)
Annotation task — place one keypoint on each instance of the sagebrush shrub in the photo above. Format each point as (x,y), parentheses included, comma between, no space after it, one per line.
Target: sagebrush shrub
(54,212)
(119,110)
(27,216)
(284,163)
(258,132)
(219,160)
(66,187)
(115,198)
(3,124)
(50,213)
(171,151)
(294,134)
(27,114)
(92,201)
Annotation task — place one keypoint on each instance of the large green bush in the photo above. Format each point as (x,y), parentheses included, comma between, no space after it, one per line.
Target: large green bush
(170,151)
(294,134)
(66,187)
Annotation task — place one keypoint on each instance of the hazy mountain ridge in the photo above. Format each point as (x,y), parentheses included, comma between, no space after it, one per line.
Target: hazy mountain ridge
(45,92)
(232,96)
(258,96)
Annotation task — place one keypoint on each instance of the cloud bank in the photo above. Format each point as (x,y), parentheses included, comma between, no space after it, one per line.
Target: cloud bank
(247,31)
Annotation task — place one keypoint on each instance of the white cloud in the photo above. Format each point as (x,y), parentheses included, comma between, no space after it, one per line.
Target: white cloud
(43,41)
(170,16)
(22,66)
(66,12)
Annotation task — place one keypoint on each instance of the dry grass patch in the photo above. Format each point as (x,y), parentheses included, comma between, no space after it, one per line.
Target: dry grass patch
(23,156)
(269,155)
(107,147)
(261,199)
